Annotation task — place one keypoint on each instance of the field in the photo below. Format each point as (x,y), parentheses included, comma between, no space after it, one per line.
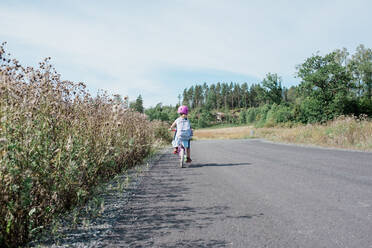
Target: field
(343,132)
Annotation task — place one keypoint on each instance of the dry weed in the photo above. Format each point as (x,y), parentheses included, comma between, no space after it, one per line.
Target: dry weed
(56,143)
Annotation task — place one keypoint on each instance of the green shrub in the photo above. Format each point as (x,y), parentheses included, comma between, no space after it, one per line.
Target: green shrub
(310,111)
(278,114)
(251,115)
(242,116)
(262,114)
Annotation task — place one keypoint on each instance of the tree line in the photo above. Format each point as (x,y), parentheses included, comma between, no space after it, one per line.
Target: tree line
(334,84)
(224,96)
(338,83)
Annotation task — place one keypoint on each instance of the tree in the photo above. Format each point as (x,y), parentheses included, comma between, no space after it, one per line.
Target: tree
(211,98)
(185,98)
(198,96)
(137,105)
(273,88)
(292,94)
(205,89)
(257,95)
(191,97)
(237,95)
(242,117)
(231,95)
(325,82)
(224,93)
(219,98)
(163,113)
(245,95)
(361,66)
(341,56)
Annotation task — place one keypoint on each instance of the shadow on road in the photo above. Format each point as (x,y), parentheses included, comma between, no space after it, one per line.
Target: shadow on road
(157,208)
(196,243)
(216,165)
(245,216)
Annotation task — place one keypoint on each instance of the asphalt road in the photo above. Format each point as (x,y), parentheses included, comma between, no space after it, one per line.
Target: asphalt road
(249,193)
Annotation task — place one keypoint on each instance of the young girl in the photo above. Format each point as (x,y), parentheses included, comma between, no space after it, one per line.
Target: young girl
(183,132)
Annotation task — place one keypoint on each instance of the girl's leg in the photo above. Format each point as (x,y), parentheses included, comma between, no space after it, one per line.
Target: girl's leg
(175,149)
(188,151)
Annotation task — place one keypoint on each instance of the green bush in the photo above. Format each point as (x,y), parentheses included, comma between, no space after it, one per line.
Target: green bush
(279,114)
(262,114)
(251,115)
(162,113)
(310,110)
(242,116)
(366,106)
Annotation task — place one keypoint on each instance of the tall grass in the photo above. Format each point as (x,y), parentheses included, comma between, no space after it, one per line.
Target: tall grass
(56,143)
(343,132)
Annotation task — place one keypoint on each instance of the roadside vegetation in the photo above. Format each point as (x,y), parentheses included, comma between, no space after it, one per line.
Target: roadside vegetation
(338,83)
(332,105)
(57,143)
(343,132)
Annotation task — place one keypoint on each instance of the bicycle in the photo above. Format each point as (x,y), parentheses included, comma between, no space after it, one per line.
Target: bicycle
(181,151)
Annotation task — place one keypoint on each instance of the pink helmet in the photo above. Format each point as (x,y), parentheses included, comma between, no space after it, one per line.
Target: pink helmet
(183,110)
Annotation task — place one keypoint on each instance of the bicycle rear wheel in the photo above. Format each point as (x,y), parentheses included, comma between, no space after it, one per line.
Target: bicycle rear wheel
(182,157)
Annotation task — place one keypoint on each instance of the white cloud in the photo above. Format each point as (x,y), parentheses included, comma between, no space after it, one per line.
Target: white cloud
(127,40)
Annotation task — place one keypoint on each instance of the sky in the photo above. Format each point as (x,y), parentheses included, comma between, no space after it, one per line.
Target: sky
(158,48)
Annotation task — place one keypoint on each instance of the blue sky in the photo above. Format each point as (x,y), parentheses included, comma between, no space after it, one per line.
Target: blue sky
(157,48)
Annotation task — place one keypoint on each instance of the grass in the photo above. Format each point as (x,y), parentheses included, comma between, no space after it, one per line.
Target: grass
(222,125)
(343,132)
(240,132)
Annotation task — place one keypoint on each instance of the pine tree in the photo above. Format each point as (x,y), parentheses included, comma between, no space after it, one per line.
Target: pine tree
(138,104)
